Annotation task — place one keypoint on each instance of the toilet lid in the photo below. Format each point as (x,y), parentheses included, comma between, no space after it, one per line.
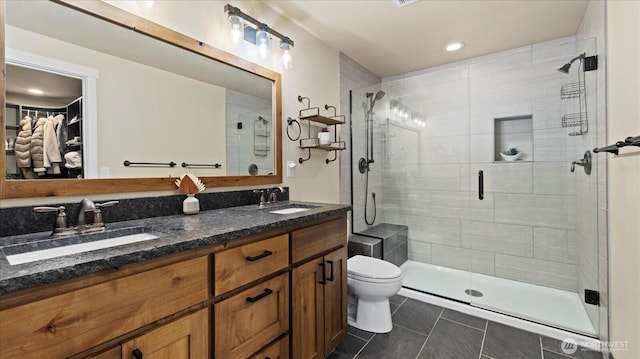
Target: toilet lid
(370,267)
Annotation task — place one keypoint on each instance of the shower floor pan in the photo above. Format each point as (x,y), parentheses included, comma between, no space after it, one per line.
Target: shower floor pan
(554,307)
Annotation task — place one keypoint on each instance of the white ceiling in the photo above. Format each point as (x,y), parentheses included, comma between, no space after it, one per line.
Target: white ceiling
(390,40)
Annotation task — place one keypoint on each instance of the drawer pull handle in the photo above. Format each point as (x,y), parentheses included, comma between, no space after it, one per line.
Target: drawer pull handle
(266,292)
(259,256)
(324,274)
(137,354)
(331,278)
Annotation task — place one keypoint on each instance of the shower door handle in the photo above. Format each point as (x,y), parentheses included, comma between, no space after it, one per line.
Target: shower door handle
(481,185)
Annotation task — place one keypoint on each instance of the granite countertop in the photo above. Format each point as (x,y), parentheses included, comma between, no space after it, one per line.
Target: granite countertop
(177,233)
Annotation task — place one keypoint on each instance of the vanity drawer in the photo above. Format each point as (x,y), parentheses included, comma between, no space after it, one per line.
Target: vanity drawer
(238,266)
(277,350)
(252,318)
(69,323)
(310,241)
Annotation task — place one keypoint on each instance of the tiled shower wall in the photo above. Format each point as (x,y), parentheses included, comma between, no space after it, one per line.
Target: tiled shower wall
(525,228)
(239,104)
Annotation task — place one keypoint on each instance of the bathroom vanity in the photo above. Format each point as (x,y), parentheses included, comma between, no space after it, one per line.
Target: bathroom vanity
(239,282)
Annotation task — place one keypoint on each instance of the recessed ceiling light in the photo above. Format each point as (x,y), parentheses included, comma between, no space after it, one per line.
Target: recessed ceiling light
(454,46)
(36,91)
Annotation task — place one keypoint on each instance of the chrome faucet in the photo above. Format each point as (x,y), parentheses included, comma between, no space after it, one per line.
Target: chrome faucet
(273,197)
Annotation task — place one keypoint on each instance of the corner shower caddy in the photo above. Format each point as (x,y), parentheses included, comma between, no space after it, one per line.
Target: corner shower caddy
(312,114)
(576,90)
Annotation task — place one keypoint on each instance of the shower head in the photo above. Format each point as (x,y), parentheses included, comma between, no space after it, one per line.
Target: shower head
(262,119)
(379,95)
(565,68)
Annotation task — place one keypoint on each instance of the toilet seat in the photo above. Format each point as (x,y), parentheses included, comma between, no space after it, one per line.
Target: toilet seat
(369,269)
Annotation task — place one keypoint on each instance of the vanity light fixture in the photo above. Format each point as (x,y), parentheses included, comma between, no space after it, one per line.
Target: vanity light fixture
(454,46)
(145,4)
(287,58)
(263,41)
(35,91)
(239,21)
(235,25)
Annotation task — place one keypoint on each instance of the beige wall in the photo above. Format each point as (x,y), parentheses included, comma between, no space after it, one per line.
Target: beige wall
(623,21)
(315,75)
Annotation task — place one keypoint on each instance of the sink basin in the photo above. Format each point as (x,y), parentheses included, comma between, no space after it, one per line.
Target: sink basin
(290,210)
(280,208)
(57,247)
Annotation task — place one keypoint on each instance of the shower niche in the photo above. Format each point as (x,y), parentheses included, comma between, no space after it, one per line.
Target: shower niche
(513,139)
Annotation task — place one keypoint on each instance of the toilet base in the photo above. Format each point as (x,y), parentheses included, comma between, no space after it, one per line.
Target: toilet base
(373,317)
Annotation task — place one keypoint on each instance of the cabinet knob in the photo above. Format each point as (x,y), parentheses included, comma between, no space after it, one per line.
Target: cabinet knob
(137,354)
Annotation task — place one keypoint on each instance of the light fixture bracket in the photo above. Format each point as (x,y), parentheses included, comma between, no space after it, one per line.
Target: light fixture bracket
(232,10)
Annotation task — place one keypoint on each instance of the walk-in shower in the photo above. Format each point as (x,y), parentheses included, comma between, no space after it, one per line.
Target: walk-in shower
(529,246)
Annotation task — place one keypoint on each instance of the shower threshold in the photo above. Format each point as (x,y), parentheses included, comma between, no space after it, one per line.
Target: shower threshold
(548,306)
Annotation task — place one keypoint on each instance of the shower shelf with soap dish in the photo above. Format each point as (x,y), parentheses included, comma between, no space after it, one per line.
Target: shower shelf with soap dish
(312,114)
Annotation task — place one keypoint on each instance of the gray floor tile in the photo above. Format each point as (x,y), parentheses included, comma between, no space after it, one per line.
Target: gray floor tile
(348,348)
(397,299)
(360,333)
(394,307)
(555,345)
(465,319)
(401,343)
(417,315)
(504,342)
(450,340)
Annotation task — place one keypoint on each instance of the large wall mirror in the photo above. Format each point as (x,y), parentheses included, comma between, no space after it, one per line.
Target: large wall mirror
(128,105)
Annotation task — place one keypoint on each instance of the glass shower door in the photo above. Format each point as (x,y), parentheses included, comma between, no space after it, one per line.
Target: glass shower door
(533,234)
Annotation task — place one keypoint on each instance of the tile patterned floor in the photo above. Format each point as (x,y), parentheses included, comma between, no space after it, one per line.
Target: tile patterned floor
(425,331)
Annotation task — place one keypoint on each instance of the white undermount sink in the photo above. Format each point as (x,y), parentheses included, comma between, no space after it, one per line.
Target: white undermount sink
(290,210)
(92,242)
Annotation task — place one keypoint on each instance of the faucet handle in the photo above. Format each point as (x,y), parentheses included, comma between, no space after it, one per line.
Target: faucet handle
(97,214)
(263,196)
(60,225)
(106,204)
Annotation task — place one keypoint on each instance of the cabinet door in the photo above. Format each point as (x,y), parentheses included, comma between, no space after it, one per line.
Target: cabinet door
(186,338)
(277,350)
(308,312)
(252,318)
(335,299)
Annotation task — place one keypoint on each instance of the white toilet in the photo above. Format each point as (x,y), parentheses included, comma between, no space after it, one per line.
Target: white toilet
(371,282)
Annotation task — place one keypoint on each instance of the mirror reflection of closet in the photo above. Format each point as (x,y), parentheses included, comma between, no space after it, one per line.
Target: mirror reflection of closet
(44,124)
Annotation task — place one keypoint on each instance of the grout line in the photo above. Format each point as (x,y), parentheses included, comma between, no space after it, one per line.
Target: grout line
(431,331)
(361,338)
(365,344)
(541,347)
(486,326)
(466,325)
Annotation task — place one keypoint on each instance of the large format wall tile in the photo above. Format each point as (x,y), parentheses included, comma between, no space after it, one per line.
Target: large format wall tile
(536,271)
(498,238)
(557,245)
(538,210)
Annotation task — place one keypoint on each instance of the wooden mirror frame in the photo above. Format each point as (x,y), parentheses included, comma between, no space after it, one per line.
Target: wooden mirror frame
(25,188)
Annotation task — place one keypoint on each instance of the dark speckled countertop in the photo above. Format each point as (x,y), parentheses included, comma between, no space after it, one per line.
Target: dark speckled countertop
(178,233)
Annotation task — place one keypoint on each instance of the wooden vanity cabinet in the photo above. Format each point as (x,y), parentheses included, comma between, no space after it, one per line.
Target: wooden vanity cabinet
(319,290)
(277,297)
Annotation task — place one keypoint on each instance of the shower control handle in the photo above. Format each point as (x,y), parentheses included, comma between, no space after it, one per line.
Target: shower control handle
(481,185)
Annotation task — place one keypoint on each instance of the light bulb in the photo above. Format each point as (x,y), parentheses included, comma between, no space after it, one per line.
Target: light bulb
(262,41)
(287,58)
(235,23)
